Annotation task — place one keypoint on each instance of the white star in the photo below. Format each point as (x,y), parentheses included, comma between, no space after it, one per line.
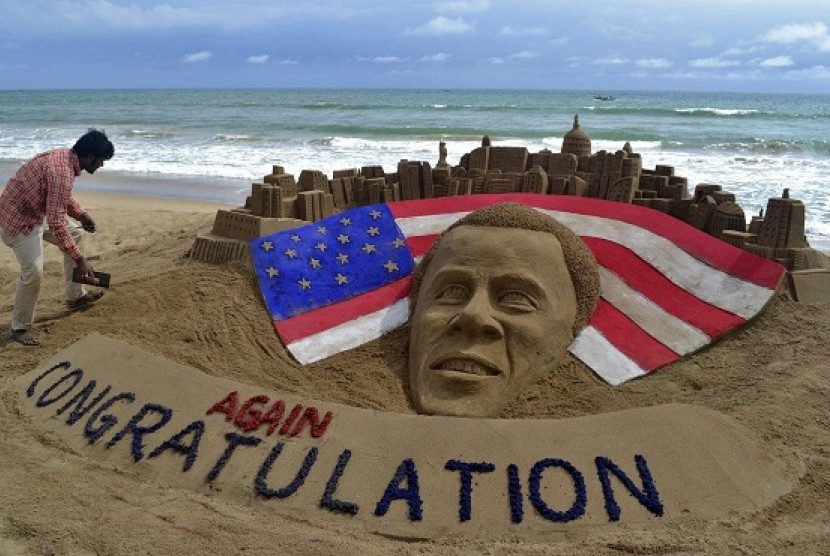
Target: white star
(267,246)
(346,221)
(391,266)
(304,284)
(291,253)
(315,263)
(375,214)
(321,230)
(369,248)
(343,239)
(272,272)
(295,238)
(399,242)
(321,247)
(373,231)
(342,258)
(341,279)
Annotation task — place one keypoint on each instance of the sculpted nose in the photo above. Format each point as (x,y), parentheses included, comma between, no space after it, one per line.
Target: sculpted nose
(476,318)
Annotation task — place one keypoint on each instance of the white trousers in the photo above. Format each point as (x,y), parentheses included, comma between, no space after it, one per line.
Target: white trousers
(28,249)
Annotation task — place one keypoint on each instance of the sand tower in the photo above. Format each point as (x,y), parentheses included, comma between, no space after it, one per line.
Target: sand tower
(576,141)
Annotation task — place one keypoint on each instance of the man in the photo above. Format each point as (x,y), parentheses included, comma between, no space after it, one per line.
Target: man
(494,304)
(41,192)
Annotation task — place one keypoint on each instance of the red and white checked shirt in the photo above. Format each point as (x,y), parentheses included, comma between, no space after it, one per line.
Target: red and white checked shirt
(41,190)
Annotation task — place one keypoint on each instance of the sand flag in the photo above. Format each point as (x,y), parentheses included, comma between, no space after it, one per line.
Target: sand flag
(668,289)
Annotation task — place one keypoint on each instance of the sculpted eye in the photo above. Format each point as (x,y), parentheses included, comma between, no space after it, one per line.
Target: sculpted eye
(517,300)
(453,294)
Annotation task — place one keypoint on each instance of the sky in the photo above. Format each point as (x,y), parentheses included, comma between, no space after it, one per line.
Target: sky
(725,45)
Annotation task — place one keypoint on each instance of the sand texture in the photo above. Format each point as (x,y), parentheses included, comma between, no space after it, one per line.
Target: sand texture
(772,377)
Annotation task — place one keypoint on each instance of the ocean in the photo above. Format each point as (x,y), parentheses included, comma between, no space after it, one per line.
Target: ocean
(212,144)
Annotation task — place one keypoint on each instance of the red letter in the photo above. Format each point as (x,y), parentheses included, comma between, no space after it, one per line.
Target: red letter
(273,415)
(291,418)
(227,405)
(249,418)
(311,416)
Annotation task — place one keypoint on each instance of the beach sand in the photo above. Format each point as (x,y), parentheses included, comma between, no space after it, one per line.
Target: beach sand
(772,377)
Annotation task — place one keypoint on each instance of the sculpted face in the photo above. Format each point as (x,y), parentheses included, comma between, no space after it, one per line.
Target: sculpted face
(495,312)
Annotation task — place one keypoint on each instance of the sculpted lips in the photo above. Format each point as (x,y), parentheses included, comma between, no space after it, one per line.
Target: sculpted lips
(465,365)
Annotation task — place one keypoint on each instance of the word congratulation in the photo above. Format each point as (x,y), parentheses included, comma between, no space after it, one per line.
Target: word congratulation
(63,388)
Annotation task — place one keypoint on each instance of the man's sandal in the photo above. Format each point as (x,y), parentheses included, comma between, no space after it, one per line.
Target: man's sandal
(24,337)
(84,300)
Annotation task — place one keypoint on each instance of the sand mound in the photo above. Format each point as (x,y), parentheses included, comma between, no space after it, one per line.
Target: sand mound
(770,378)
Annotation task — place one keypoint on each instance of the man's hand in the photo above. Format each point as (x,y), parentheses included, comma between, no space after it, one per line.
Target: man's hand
(85,271)
(87,223)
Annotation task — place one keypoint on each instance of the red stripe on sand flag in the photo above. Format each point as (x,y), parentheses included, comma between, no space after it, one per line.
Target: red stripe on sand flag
(641,276)
(630,339)
(307,324)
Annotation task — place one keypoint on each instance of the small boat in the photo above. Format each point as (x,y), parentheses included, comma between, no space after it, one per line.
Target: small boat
(603,97)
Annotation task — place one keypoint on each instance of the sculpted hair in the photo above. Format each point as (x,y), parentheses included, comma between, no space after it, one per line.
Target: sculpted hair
(580,261)
(94,143)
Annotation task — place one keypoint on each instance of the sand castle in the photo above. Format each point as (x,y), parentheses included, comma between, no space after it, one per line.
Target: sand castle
(280,201)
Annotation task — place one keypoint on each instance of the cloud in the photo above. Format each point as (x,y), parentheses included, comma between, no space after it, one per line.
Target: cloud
(462,6)
(814,33)
(437,57)
(611,61)
(795,32)
(202,56)
(702,42)
(81,16)
(713,63)
(741,50)
(378,59)
(440,26)
(260,59)
(510,31)
(524,54)
(777,62)
(654,63)
(815,72)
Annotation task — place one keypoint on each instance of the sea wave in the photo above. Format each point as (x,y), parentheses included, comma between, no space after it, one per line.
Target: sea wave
(145,133)
(718,111)
(772,146)
(688,112)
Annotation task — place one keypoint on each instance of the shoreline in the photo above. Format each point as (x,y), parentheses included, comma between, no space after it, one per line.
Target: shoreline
(222,190)
(182,192)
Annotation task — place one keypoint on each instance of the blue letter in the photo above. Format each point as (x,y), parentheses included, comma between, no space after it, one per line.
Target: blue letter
(291,488)
(175,443)
(107,421)
(234,440)
(534,485)
(412,495)
(465,494)
(139,432)
(328,500)
(650,498)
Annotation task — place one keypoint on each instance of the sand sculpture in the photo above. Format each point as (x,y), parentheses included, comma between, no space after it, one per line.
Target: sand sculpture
(494,305)
(280,201)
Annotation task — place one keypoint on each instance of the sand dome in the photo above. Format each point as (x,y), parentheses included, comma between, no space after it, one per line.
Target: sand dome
(576,141)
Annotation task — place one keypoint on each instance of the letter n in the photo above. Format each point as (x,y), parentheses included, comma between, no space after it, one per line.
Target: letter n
(648,496)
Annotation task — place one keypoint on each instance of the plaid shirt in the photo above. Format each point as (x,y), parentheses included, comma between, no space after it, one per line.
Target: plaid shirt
(41,190)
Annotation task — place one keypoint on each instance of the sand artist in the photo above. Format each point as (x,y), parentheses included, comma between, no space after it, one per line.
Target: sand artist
(494,304)
(34,207)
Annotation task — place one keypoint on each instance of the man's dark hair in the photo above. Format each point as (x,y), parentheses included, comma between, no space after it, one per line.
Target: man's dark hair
(94,143)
